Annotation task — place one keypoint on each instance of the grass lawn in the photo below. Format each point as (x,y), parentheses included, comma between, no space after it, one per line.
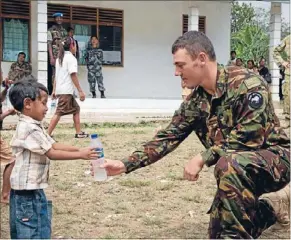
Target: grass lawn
(153,202)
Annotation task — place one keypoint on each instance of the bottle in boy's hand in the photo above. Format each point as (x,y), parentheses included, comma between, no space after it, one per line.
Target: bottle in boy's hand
(99,173)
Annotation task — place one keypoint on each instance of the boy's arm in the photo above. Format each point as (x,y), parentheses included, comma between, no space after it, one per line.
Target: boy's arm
(6,113)
(3,94)
(55,154)
(60,146)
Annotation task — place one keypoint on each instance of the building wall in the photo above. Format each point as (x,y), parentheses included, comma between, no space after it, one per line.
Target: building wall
(150,28)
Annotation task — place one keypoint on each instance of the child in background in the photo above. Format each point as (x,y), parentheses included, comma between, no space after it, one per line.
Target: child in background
(30,213)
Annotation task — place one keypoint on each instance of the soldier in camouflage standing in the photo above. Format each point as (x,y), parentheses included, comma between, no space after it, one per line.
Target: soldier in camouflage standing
(232,114)
(94,59)
(56,33)
(284,49)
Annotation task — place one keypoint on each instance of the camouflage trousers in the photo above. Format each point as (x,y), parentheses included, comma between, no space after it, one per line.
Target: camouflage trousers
(242,177)
(94,77)
(286,94)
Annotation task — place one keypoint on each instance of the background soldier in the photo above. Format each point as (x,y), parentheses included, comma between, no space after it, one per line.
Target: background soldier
(18,69)
(56,33)
(232,113)
(94,59)
(280,59)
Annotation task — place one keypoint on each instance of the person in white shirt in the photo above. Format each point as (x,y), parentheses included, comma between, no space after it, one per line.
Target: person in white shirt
(66,78)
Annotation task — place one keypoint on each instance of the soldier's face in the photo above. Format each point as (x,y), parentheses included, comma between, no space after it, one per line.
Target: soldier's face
(190,71)
(21,58)
(94,41)
(59,20)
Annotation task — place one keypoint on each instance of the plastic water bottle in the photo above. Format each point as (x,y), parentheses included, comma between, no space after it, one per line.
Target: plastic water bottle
(99,173)
(53,105)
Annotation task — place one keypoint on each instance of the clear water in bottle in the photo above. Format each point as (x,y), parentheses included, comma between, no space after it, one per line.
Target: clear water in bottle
(99,173)
(53,106)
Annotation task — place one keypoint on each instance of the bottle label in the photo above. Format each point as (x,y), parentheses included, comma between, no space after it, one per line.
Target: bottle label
(100,152)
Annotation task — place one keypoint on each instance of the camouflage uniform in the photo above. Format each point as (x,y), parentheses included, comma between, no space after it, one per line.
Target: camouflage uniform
(55,34)
(243,139)
(18,71)
(94,59)
(284,47)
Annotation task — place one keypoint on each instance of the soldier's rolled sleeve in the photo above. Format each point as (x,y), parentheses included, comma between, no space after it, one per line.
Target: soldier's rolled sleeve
(277,53)
(164,142)
(11,72)
(49,37)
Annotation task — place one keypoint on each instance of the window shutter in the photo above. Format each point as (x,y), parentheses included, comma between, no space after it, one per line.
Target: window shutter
(110,17)
(185,23)
(54,8)
(202,24)
(84,14)
(15,7)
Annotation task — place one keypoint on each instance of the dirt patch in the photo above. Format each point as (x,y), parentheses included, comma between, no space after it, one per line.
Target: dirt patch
(153,202)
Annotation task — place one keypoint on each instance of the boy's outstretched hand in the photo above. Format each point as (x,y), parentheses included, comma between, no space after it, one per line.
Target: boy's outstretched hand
(112,167)
(88,153)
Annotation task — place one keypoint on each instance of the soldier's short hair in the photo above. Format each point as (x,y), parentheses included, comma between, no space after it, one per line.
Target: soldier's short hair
(194,42)
(27,88)
(21,53)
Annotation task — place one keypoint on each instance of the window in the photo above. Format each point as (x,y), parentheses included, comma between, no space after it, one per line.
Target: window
(14,29)
(201,23)
(107,24)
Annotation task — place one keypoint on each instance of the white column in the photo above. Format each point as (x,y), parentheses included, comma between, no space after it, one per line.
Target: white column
(39,40)
(275,39)
(193,23)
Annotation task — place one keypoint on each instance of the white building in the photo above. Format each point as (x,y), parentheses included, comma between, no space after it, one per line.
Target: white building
(136,35)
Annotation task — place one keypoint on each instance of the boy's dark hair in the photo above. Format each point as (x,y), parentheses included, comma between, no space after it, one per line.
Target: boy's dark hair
(239,59)
(66,45)
(26,88)
(69,29)
(233,52)
(21,53)
(194,42)
(252,61)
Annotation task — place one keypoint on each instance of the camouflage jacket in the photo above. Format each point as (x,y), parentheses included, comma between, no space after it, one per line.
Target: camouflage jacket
(94,59)
(239,117)
(55,34)
(283,48)
(18,71)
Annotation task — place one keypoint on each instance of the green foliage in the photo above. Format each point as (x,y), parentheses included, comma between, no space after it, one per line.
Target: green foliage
(251,42)
(250,31)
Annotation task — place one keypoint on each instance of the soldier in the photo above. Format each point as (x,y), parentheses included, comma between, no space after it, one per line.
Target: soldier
(56,33)
(18,69)
(284,47)
(232,113)
(94,59)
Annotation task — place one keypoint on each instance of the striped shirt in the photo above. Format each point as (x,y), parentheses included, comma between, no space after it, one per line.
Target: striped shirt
(29,146)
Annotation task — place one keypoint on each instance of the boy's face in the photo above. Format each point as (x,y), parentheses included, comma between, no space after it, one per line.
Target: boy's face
(36,109)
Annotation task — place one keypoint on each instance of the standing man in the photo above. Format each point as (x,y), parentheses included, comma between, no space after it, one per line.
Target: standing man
(284,48)
(232,113)
(18,69)
(56,33)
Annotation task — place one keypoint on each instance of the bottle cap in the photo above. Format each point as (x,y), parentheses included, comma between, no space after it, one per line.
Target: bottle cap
(94,136)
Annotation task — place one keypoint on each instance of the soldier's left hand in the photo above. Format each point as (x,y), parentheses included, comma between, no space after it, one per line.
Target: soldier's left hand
(193,167)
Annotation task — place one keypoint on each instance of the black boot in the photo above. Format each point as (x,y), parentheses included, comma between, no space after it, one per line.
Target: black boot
(93,94)
(102,94)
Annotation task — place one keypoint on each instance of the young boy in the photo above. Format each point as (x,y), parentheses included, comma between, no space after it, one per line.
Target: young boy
(33,148)
(6,159)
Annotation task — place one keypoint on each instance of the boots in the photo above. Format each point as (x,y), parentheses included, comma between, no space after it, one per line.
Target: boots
(280,202)
(102,94)
(93,94)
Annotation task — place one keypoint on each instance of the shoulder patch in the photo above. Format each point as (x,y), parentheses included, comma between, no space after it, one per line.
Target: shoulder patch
(255,100)
(252,82)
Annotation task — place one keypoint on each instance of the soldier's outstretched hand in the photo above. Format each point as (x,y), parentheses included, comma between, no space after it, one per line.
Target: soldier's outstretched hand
(113,167)
(193,167)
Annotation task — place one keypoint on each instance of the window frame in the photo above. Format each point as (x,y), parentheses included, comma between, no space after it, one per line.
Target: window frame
(15,16)
(201,19)
(96,23)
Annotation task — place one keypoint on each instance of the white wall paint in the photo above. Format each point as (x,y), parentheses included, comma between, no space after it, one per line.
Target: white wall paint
(150,28)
